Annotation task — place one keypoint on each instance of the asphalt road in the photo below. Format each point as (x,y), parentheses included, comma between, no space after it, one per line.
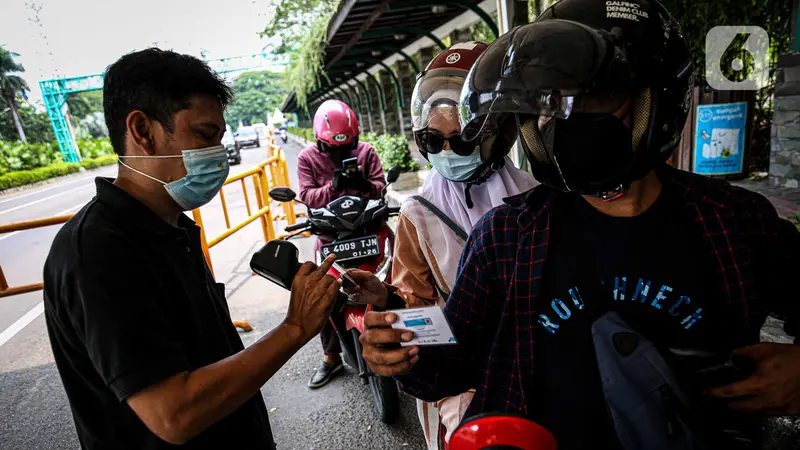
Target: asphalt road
(34,412)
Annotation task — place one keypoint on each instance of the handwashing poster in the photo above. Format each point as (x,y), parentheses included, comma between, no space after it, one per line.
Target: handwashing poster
(719,138)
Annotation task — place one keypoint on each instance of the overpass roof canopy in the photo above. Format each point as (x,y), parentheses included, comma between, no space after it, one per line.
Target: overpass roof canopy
(363,32)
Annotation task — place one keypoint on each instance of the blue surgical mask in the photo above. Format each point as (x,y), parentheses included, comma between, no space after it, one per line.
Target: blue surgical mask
(455,167)
(206,171)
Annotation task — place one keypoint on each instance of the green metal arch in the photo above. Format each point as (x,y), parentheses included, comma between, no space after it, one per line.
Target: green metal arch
(381,99)
(366,91)
(346,93)
(358,97)
(396,81)
(397,87)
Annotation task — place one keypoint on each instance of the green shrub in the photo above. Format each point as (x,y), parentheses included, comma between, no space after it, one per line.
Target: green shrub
(23,177)
(100,161)
(392,149)
(16,156)
(305,133)
(92,148)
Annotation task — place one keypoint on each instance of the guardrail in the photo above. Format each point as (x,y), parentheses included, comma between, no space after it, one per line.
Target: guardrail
(270,173)
(5,290)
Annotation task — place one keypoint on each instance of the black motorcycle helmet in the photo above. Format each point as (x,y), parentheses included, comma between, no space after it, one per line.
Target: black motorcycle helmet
(579,63)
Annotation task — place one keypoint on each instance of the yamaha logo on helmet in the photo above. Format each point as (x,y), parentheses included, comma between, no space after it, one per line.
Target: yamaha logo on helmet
(453,58)
(340,137)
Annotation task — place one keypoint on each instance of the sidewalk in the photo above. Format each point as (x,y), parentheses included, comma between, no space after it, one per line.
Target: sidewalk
(785,200)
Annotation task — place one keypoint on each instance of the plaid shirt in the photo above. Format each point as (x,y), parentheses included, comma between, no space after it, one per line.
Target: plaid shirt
(493,306)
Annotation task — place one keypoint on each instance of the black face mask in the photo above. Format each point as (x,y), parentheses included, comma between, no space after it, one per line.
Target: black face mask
(592,151)
(338,153)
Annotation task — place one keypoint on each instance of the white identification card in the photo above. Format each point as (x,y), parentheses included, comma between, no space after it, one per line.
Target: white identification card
(429,325)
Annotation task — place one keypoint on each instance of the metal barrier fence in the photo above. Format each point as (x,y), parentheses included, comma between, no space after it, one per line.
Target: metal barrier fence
(268,174)
(5,290)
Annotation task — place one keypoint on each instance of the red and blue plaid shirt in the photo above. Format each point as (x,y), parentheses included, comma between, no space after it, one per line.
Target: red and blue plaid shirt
(493,306)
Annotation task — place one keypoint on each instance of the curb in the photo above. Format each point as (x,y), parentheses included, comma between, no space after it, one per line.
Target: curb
(25,187)
(298,140)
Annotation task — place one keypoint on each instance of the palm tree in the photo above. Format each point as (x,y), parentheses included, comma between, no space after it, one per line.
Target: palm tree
(12,86)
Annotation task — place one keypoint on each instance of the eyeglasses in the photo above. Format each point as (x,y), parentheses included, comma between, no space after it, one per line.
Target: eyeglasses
(434,143)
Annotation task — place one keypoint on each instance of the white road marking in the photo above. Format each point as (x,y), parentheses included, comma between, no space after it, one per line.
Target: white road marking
(13,197)
(44,199)
(23,321)
(8,235)
(60,213)
(37,310)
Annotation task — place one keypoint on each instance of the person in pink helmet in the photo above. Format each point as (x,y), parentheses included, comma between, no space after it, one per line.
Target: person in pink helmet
(322,180)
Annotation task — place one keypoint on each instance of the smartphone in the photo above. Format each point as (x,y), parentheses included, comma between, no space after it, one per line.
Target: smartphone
(344,278)
(350,166)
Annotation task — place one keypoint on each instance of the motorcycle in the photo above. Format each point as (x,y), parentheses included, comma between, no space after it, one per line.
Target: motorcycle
(283,135)
(356,230)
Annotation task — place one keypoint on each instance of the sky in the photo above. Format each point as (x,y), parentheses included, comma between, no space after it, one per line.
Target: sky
(82,37)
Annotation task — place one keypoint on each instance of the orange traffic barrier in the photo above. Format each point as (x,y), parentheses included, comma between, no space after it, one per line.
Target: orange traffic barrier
(272,172)
(5,289)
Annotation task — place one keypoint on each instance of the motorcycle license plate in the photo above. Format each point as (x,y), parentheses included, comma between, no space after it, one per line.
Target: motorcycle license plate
(353,249)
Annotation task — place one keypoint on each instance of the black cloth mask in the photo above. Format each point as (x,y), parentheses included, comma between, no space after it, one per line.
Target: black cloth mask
(592,151)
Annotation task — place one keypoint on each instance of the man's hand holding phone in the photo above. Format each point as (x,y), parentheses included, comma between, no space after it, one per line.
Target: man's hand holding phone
(350,176)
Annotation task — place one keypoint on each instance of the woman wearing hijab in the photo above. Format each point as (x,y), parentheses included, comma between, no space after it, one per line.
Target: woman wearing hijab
(467,181)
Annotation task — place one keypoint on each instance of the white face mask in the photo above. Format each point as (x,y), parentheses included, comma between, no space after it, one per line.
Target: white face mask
(206,172)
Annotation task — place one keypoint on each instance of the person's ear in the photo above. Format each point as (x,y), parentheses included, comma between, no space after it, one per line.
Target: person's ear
(140,131)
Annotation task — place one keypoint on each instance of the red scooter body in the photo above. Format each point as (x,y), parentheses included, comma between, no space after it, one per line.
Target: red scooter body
(354,313)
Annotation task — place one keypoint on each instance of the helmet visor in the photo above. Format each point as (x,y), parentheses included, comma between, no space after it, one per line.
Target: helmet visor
(553,68)
(436,96)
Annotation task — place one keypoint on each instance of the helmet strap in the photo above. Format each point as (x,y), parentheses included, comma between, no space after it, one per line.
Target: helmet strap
(614,194)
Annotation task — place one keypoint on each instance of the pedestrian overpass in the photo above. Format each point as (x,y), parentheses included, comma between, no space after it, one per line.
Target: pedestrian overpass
(55,92)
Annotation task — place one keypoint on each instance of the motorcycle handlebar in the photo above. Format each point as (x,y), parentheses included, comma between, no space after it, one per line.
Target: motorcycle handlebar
(295,227)
(393,210)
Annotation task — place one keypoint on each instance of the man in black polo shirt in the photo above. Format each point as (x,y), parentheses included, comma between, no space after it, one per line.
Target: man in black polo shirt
(141,332)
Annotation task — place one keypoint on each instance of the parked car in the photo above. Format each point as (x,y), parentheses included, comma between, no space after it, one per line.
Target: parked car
(246,137)
(261,130)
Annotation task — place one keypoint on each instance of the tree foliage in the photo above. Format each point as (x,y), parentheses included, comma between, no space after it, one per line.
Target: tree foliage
(306,66)
(293,19)
(257,96)
(84,103)
(12,87)
(36,124)
(697,17)
(300,26)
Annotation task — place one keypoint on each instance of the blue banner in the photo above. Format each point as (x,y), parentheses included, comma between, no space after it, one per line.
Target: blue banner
(719,139)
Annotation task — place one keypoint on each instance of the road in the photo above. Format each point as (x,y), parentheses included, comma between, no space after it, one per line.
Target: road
(35,412)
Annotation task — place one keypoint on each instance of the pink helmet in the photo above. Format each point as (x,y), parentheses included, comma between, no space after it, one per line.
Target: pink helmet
(335,124)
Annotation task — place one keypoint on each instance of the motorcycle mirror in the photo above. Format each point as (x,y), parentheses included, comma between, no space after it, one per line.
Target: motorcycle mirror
(277,261)
(282,194)
(393,174)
